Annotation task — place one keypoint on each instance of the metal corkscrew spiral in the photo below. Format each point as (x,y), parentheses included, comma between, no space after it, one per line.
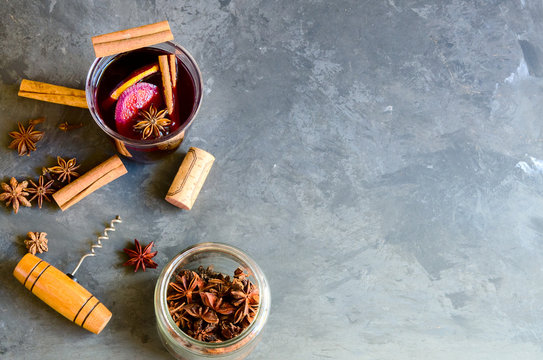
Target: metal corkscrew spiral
(97,244)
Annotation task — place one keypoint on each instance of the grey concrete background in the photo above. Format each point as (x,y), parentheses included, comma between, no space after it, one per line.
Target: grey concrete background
(381,160)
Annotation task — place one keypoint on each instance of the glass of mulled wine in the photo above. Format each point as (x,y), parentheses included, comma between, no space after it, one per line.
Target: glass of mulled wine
(130,101)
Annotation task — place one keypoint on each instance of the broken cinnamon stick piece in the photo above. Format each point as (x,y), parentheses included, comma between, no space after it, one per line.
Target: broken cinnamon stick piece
(52,93)
(163,62)
(89,182)
(190,178)
(131,39)
(36,121)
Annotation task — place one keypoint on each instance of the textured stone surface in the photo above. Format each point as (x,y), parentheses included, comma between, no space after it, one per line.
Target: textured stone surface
(381,160)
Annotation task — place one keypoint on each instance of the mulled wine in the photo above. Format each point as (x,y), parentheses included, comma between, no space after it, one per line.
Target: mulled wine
(145,99)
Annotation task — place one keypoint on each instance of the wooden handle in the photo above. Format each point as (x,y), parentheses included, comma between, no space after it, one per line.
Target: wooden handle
(61,293)
(190,178)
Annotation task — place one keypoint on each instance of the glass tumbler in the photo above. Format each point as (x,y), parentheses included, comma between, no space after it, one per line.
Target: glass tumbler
(224,259)
(150,149)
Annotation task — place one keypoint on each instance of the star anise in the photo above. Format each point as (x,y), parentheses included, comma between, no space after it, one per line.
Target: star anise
(220,288)
(206,333)
(65,169)
(141,256)
(179,314)
(185,286)
(229,330)
(216,303)
(36,243)
(229,304)
(247,300)
(153,123)
(15,194)
(25,140)
(41,190)
(202,312)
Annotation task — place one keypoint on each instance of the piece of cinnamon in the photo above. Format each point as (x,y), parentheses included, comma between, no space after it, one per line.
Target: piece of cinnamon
(173,70)
(36,121)
(89,182)
(190,178)
(164,64)
(121,148)
(131,39)
(52,93)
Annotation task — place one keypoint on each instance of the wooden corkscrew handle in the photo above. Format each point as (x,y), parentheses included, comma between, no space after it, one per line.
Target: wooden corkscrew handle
(62,293)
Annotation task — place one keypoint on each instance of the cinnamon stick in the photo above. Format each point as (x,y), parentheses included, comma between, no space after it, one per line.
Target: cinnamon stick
(52,93)
(190,178)
(173,70)
(164,64)
(89,182)
(131,39)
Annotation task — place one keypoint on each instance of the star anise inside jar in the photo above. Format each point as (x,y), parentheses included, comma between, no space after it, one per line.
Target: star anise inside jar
(210,306)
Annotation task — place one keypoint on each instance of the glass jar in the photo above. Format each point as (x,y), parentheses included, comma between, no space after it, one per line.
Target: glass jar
(146,150)
(224,259)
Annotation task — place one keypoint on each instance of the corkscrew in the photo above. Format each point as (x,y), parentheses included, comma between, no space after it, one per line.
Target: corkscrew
(62,292)
(98,244)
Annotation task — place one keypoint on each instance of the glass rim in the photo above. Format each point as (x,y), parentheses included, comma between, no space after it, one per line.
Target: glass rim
(167,272)
(135,142)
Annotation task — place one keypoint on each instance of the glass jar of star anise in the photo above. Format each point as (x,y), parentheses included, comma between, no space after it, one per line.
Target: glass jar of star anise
(211,301)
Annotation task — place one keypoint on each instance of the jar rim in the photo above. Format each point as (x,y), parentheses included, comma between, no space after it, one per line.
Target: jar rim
(100,64)
(161,305)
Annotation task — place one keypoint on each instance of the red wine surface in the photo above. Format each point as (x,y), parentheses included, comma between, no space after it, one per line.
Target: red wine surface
(125,65)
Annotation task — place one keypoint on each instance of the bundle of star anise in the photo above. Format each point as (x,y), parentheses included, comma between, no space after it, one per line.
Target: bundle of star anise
(210,306)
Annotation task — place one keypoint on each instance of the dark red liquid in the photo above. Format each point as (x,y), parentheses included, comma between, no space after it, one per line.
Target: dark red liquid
(120,69)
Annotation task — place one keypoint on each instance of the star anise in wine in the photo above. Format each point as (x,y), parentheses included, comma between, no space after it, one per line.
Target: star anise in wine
(25,140)
(15,193)
(153,122)
(37,242)
(65,170)
(141,256)
(185,286)
(41,190)
(247,299)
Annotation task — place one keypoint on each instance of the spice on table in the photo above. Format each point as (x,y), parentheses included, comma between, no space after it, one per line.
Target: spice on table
(89,182)
(41,190)
(15,193)
(36,121)
(131,39)
(37,242)
(48,177)
(65,170)
(66,126)
(210,306)
(153,122)
(141,256)
(52,93)
(25,140)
